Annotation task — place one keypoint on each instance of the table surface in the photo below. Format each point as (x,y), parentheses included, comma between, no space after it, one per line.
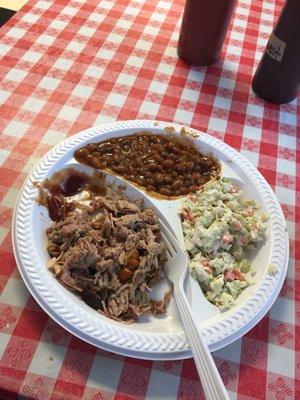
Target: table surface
(68,65)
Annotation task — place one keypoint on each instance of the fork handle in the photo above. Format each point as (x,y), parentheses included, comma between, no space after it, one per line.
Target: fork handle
(212,383)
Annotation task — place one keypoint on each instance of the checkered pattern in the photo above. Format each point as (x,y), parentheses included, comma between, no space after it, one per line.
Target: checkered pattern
(69,64)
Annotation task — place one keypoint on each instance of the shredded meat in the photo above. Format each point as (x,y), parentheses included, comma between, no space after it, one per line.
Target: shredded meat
(110,253)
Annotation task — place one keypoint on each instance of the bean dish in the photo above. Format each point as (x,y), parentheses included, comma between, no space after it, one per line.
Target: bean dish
(160,163)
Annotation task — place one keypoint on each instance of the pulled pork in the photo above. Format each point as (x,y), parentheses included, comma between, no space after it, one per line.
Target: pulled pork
(110,253)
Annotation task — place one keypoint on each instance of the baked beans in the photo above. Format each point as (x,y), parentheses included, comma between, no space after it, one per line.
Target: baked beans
(159,163)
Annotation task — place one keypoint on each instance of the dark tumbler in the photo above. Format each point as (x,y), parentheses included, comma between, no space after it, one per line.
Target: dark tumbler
(203,30)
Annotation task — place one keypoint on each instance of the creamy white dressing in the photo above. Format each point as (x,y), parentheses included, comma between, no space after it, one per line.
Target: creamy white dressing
(220,225)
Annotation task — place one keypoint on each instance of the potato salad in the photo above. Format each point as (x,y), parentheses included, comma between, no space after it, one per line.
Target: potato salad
(220,225)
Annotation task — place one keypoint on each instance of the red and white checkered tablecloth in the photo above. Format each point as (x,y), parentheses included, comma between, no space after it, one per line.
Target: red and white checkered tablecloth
(66,65)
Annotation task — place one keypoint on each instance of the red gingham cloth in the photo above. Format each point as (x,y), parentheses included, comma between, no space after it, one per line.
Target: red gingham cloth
(66,65)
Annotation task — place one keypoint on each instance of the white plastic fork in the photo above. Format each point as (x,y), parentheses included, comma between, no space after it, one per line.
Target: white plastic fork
(175,269)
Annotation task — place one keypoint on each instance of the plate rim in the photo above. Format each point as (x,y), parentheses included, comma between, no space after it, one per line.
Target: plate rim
(131,343)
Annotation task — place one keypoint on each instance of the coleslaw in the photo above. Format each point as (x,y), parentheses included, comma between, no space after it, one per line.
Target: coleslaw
(220,225)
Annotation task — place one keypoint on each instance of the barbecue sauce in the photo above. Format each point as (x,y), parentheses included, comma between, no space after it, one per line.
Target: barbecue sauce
(68,182)
(203,30)
(278,75)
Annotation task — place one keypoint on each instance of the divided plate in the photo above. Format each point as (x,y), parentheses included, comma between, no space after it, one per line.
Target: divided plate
(154,337)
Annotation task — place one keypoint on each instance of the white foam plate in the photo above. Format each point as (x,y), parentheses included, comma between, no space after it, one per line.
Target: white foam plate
(153,337)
